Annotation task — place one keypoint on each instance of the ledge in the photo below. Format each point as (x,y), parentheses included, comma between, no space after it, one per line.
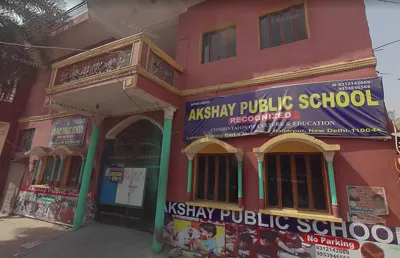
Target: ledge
(301,215)
(215,205)
(54,188)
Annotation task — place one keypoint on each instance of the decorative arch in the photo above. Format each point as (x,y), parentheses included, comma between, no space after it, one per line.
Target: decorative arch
(113,132)
(192,149)
(297,137)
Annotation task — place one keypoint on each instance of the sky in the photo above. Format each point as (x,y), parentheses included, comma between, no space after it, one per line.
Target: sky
(384,27)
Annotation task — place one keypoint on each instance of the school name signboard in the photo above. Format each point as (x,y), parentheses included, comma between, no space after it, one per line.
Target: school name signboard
(247,234)
(351,108)
(68,131)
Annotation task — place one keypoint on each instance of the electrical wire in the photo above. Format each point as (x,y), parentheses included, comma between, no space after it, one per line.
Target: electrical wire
(48,47)
(387,1)
(392,42)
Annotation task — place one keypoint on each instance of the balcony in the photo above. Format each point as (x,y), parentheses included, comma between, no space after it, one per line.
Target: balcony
(130,75)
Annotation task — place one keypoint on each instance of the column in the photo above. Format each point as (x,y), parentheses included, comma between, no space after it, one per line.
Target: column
(260,160)
(190,177)
(35,171)
(332,185)
(87,174)
(81,171)
(60,170)
(162,180)
(53,170)
(240,178)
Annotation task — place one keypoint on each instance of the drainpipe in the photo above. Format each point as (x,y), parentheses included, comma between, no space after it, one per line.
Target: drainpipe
(162,180)
(239,157)
(190,176)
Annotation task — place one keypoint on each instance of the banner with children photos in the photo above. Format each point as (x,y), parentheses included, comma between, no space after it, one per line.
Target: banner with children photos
(52,205)
(249,234)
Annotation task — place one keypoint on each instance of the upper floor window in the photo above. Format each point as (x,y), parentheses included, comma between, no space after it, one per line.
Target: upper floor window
(26,140)
(216,178)
(219,44)
(283,27)
(296,181)
(7,94)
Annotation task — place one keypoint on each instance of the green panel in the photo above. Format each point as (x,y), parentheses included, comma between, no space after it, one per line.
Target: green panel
(332,184)
(240,193)
(189,180)
(260,180)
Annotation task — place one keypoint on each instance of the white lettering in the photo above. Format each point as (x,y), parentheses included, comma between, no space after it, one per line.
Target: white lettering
(181,209)
(315,227)
(260,223)
(210,212)
(224,213)
(201,213)
(342,228)
(307,227)
(376,237)
(239,219)
(250,217)
(365,236)
(278,224)
(192,210)
(172,207)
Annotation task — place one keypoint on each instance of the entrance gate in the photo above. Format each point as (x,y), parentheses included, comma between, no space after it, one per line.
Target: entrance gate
(129,179)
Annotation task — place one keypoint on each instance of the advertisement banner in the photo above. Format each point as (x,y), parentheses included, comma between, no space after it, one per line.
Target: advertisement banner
(250,234)
(366,219)
(68,131)
(52,205)
(366,199)
(351,108)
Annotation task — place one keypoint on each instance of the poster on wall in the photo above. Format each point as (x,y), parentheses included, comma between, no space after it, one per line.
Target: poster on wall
(350,108)
(52,205)
(365,199)
(68,131)
(130,191)
(366,218)
(248,234)
(115,173)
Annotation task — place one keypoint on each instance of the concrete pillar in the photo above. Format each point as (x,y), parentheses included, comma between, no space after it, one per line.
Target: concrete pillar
(239,157)
(35,171)
(260,160)
(53,170)
(60,170)
(332,185)
(162,181)
(81,171)
(87,174)
(190,177)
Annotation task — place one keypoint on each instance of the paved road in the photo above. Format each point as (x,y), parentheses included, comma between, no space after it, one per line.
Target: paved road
(98,241)
(19,236)
(30,238)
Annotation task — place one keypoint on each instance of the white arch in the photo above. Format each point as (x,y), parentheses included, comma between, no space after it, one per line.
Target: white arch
(113,132)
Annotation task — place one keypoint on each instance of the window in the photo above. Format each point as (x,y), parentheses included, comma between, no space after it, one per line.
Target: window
(296,181)
(283,27)
(7,94)
(26,140)
(74,171)
(216,178)
(217,45)
(46,179)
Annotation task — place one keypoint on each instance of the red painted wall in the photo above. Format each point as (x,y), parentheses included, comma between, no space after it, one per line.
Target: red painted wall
(338,32)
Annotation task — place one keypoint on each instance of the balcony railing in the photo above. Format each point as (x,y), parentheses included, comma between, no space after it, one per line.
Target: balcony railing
(136,54)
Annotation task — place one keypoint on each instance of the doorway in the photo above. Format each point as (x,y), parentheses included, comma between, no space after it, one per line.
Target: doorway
(129,177)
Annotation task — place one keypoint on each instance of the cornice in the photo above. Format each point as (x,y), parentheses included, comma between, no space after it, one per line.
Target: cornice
(320,70)
(44,117)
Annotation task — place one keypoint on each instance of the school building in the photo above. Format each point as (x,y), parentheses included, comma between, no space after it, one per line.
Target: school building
(223,117)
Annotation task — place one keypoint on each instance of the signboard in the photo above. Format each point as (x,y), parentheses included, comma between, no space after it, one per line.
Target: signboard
(248,234)
(351,108)
(53,205)
(115,173)
(68,131)
(366,219)
(130,190)
(365,199)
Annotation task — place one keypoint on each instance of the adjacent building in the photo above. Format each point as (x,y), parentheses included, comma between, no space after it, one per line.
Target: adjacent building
(231,128)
